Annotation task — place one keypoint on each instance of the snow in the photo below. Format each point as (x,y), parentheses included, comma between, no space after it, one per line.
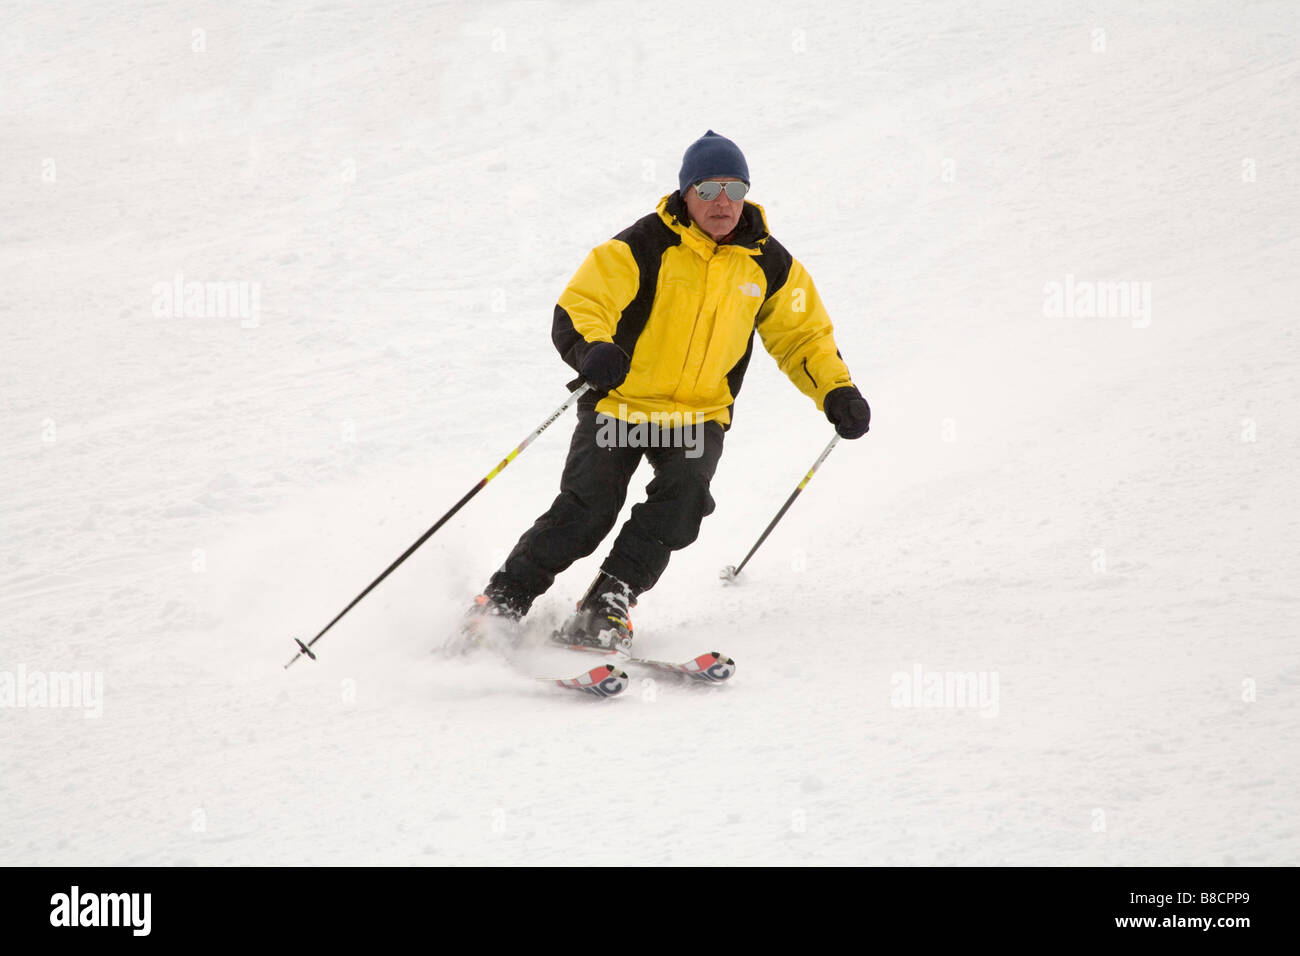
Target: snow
(1094,515)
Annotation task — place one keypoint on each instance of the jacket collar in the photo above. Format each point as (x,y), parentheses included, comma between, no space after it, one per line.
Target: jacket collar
(749,235)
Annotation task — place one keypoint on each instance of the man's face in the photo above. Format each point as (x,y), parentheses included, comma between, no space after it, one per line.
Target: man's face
(718,217)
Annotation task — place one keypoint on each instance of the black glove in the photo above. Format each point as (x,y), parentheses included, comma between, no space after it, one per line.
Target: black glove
(605,365)
(848,411)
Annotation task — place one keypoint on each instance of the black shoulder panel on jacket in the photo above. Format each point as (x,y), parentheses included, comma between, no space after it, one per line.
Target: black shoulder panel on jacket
(648,238)
(775,262)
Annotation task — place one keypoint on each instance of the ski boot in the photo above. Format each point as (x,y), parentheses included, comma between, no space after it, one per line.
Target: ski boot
(602,621)
(489,623)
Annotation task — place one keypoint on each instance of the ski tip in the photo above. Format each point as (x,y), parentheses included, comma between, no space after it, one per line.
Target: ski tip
(714,667)
(604,680)
(607,681)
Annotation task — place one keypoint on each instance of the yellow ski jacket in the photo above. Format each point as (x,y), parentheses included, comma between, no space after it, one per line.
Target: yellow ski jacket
(686,308)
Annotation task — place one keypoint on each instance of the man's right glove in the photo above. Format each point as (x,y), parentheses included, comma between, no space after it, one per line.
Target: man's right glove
(605,366)
(848,411)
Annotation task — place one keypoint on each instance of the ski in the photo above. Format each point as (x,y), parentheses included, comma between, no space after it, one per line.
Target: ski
(710,668)
(603,681)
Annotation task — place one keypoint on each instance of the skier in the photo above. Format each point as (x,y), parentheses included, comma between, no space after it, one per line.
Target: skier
(660,321)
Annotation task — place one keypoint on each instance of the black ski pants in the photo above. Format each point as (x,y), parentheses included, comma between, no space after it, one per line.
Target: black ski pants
(592,492)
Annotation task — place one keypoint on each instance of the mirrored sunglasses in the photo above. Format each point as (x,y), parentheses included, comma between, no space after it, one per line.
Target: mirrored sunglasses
(710,189)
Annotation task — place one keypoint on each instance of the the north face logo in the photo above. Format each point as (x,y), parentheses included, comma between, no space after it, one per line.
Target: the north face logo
(751,288)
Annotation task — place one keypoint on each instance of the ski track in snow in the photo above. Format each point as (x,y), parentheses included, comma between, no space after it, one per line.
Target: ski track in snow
(1095,511)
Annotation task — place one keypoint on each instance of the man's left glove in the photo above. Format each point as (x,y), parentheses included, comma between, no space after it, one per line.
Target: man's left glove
(848,411)
(605,365)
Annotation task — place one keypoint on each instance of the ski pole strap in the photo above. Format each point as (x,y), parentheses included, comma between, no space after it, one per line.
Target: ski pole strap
(305,649)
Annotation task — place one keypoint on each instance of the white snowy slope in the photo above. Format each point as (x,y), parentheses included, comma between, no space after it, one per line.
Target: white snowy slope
(1094,515)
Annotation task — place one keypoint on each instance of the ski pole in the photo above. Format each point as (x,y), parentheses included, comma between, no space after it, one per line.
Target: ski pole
(730,571)
(306,648)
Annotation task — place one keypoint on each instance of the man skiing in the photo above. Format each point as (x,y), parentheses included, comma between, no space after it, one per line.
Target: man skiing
(660,322)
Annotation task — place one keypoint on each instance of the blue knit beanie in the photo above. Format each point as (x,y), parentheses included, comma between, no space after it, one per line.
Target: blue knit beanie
(712,155)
